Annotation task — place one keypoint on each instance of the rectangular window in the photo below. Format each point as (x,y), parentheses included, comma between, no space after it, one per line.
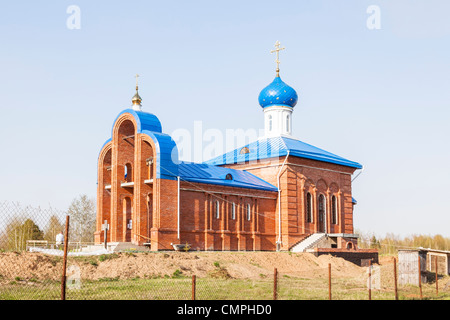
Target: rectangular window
(233,211)
(217,210)
(249,212)
(334,210)
(308,207)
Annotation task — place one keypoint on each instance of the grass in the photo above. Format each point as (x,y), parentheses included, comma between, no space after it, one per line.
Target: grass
(218,285)
(179,287)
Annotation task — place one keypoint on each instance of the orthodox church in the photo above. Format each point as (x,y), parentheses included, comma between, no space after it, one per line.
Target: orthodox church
(276,193)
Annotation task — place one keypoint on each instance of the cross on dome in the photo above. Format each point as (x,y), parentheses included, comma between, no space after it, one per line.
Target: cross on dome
(136,100)
(277,60)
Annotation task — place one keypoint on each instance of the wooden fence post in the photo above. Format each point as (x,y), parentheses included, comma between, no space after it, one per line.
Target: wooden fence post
(275,283)
(395,279)
(329,281)
(66,243)
(193,286)
(420,277)
(436,267)
(370,280)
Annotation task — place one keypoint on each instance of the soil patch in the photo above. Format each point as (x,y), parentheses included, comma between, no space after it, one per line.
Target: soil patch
(125,265)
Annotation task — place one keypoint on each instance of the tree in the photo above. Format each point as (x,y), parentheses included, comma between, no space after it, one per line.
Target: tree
(53,227)
(18,233)
(82,219)
(374,243)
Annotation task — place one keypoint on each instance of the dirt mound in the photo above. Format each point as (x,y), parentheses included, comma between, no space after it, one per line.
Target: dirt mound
(29,265)
(125,265)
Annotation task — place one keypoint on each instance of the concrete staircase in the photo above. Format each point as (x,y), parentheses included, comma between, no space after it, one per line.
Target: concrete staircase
(308,243)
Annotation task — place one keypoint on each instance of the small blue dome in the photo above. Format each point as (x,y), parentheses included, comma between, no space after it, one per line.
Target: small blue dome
(278,93)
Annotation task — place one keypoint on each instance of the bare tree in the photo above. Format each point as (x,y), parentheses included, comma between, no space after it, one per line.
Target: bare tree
(82,219)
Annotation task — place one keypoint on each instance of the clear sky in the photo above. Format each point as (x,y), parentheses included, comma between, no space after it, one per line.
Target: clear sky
(378,96)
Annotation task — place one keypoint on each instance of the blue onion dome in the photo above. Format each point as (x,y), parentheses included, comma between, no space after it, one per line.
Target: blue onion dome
(278,93)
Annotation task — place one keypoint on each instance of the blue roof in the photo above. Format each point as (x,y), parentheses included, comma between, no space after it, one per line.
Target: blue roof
(203,173)
(167,155)
(166,148)
(144,120)
(278,147)
(278,93)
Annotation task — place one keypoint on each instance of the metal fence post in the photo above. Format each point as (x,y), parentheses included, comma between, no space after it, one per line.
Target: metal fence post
(63,278)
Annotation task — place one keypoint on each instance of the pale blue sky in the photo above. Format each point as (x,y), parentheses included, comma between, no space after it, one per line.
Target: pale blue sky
(378,97)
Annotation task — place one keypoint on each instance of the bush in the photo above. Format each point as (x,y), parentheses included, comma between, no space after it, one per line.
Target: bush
(177,274)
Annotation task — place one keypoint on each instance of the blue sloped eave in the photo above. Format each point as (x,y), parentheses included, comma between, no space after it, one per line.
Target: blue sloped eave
(229,184)
(106,142)
(321,157)
(209,174)
(279,147)
(167,155)
(304,150)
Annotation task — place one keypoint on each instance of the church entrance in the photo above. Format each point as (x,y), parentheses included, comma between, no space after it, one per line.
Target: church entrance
(322,213)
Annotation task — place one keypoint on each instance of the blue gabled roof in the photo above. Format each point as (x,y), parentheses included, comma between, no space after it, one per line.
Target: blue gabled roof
(278,147)
(203,173)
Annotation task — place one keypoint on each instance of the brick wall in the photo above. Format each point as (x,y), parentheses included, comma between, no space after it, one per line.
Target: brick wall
(297,178)
(205,230)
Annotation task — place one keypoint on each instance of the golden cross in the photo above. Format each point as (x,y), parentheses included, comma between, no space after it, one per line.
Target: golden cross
(277,50)
(137,76)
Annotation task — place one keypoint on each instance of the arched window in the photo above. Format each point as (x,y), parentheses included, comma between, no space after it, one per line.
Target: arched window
(287,123)
(217,209)
(249,212)
(228,176)
(309,214)
(128,175)
(270,122)
(149,163)
(233,211)
(322,212)
(333,210)
(244,150)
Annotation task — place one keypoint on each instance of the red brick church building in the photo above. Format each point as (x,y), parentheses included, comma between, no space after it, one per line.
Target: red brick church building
(276,193)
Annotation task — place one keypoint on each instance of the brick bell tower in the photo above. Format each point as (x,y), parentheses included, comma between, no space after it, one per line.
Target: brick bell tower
(137,181)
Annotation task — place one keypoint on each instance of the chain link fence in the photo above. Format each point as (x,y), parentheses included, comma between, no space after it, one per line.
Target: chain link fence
(33,267)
